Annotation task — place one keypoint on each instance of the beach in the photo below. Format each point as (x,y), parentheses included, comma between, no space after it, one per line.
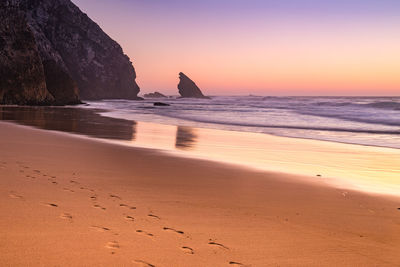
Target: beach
(73,201)
(199,133)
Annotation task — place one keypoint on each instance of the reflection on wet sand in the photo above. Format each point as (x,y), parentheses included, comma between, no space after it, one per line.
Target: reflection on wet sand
(73,120)
(185,138)
(372,169)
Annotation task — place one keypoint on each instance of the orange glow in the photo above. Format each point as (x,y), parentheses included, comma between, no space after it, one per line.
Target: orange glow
(366,168)
(260,52)
(323,65)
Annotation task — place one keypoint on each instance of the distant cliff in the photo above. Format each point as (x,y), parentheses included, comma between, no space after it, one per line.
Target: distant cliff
(154,95)
(77,58)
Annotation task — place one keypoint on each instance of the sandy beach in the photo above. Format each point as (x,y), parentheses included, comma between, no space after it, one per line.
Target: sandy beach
(199,133)
(71,201)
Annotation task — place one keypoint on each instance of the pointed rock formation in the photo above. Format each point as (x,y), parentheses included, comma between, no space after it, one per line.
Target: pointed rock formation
(187,88)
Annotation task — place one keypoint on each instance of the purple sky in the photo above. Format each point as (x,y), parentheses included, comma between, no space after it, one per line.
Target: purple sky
(266,47)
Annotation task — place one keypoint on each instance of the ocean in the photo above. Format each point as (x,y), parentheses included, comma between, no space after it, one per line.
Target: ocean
(373,121)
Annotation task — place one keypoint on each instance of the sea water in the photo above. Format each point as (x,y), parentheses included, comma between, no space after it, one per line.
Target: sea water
(371,121)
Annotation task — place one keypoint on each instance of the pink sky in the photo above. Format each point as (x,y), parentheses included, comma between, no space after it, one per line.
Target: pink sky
(256,47)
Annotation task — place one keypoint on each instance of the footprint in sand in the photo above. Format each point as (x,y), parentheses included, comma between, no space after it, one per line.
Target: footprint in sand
(73,182)
(98,207)
(127,206)
(103,229)
(143,263)
(68,190)
(51,205)
(154,216)
(87,189)
(66,216)
(114,196)
(129,218)
(213,243)
(236,263)
(112,245)
(187,250)
(100,228)
(173,230)
(12,194)
(144,233)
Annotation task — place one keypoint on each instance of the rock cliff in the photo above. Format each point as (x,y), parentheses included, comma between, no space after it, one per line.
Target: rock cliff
(22,79)
(69,39)
(187,88)
(75,55)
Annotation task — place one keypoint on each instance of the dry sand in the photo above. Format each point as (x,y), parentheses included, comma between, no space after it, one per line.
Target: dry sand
(71,201)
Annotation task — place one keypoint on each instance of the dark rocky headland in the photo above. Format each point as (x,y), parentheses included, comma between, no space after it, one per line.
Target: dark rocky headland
(51,53)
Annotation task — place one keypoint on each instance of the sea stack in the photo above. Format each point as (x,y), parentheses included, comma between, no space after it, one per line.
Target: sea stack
(187,88)
(78,60)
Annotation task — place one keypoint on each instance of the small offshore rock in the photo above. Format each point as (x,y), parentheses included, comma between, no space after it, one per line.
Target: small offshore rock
(161,104)
(155,95)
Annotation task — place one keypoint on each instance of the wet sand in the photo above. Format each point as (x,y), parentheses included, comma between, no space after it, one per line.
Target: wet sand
(71,201)
(365,168)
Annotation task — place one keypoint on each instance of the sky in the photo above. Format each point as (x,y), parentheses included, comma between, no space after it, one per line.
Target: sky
(259,47)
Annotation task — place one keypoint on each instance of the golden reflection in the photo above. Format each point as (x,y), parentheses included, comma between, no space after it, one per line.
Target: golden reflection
(368,168)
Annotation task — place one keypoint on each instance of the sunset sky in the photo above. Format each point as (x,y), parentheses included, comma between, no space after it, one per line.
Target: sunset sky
(265,47)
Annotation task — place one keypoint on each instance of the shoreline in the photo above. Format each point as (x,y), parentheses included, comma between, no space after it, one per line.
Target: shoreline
(105,111)
(96,203)
(278,146)
(277,117)
(364,168)
(333,182)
